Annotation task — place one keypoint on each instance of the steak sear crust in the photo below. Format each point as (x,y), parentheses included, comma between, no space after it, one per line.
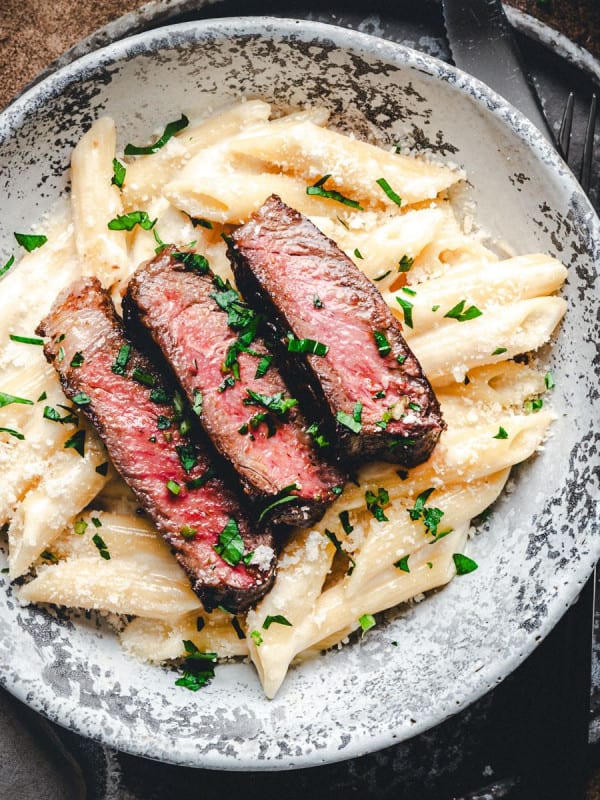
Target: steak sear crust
(139,417)
(209,337)
(371,391)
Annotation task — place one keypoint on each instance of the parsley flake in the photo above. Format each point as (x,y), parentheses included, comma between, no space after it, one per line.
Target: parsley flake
(277,618)
(230,545)
(25,339)
(119,173)
(127,222)
(76,442)
(7,266)
(375,503)
(170,130)
(502,434)
(30,241)
(306,346)
(366,622)
(13,432)
(338,546)
(402,563)
(463,564)
(331,194)
(407,308)
(383,346)
(389,191)
(460,314)
(405,263)
(7,399)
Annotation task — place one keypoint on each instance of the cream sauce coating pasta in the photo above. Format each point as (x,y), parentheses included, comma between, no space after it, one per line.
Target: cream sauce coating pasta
(72,524)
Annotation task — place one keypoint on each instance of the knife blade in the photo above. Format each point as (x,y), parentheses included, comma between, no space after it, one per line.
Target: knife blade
(482,43)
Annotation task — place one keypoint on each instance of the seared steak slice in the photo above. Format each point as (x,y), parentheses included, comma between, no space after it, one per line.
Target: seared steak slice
(369,385)
(208,335)
(143,425)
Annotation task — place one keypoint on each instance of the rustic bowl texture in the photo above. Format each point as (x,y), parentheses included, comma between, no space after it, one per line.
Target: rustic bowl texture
(541,542)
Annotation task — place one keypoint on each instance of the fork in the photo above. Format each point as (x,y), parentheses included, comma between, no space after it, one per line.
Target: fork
(564,138)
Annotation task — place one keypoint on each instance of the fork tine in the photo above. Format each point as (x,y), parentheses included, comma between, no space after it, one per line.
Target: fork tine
(564,134)
(588,147)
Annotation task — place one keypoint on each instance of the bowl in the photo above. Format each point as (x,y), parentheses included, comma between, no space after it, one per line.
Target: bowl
(427,660)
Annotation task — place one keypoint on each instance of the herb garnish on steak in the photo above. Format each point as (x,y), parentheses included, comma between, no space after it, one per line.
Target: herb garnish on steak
(355,367)
(210,338)
(144,424)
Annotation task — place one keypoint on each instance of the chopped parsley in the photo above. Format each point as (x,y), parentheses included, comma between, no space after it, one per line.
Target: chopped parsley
(353,422)
(199,668)
(435,308)
(96,522)
(306,346)
(30,241)
(402,563)
(358,254)
(119,173)
(76,442)
(407,308)
(409,291)
(366,622)
(318,438)
(383,346)
(170,130)
(464,564)
(198,483)
(159,396)
(498,351)
(145,378)
(202,223)
(197,404)
(81,399)
(7,399)
(101,545)
(48,556)
(405,263)
(25,339)
(187,531)
(462,314)
(338,546)
(345,520)
(173,487)
(121,360)
(389,191)
(278,619)
(331,194)
(375,503)
(77,360)
(187,456)
(502,433)
(230,545)
(263,366)
(194,261)
(381,277)
(284,496)
(533,405)
(13,432)
(431,515)
(80,527)
(276,403)
(549,380)
(127,222)
(7,266)
(317,302)
(256,638)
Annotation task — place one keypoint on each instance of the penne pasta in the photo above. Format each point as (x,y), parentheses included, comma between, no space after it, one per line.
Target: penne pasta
(75,537)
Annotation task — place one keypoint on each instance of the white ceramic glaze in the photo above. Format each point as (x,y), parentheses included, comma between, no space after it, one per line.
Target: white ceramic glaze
(541,542)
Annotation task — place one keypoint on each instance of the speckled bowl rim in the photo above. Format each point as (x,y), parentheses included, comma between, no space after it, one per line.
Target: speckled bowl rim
(479,682)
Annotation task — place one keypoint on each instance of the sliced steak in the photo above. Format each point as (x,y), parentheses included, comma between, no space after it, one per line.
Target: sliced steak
(144,426)
(208,335)
(369,386)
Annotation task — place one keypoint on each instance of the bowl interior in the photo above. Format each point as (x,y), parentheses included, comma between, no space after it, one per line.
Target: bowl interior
(538,548)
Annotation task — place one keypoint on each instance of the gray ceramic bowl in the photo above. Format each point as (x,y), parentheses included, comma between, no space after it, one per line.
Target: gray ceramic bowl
(542,541)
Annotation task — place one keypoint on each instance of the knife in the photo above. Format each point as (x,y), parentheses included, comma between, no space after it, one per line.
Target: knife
(482,44)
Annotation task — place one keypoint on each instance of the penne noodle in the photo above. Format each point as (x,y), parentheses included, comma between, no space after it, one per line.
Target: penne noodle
(95,202)
(449,351)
